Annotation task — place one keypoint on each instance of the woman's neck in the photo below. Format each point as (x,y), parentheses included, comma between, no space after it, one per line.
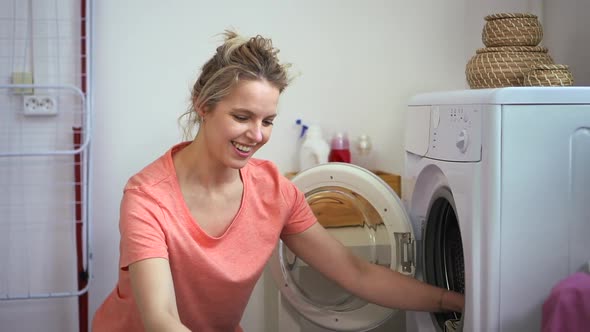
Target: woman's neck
(194,166)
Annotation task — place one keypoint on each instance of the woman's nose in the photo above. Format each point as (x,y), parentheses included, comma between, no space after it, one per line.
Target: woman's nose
(256,132)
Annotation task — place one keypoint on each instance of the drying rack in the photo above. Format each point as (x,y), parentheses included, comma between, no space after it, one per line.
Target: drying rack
(45,135)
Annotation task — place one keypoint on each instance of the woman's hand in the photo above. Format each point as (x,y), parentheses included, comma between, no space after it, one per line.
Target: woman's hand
(452,301)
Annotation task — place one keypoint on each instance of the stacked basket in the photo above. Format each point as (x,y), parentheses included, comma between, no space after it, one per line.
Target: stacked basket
(512,56)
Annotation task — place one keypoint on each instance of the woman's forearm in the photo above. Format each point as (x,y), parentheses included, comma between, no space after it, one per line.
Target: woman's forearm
(404,292)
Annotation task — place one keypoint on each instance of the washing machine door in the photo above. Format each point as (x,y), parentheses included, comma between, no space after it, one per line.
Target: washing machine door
(365,215)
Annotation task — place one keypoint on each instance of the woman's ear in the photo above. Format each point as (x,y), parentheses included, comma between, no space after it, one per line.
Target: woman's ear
(201,111)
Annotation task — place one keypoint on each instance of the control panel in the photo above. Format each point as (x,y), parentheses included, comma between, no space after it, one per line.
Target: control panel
(455,132)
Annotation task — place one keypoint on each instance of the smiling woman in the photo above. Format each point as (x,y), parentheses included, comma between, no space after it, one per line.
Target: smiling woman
(184,263)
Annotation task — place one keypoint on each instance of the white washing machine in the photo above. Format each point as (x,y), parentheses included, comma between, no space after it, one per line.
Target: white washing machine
(494,204)
(497,185)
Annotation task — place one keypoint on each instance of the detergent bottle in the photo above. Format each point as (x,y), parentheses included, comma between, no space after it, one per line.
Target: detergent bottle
(340,148)
(314,149)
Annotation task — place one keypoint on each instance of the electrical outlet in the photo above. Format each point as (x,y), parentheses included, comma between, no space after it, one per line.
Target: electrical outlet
(38,105)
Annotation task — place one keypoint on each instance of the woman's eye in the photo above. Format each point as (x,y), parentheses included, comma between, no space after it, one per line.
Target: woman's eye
(267,122)
(240,118)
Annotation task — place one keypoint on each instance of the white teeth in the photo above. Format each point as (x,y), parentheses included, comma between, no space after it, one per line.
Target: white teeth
(243,148)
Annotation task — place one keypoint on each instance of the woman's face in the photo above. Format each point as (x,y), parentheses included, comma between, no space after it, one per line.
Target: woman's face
(241,123)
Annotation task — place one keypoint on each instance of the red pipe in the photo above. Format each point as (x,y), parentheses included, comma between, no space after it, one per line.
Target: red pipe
(78,138)
(82,273)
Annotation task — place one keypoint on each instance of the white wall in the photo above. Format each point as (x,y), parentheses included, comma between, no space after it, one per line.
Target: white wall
(356,62)
(566,36)
(37,220)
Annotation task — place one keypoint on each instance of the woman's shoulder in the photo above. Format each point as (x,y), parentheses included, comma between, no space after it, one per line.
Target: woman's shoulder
(261,166)
(153,174)
(266,175)
(265,167)
(264,172)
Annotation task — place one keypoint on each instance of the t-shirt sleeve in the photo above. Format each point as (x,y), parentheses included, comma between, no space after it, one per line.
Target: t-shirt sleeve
(300,216)
(140,225)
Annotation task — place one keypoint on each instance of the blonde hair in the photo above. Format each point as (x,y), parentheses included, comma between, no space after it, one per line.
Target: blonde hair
(238,58)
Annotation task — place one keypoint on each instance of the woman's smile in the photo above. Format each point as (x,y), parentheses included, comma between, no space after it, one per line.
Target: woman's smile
(243,150)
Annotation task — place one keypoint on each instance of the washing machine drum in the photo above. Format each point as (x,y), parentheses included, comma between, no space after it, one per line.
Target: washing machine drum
(364,214)
(443,261)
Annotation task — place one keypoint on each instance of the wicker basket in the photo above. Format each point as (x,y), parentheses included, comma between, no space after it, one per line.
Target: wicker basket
(494,67)
(507,29)
(549,75)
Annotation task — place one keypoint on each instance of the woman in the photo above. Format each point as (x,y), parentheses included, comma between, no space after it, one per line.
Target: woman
(199,224)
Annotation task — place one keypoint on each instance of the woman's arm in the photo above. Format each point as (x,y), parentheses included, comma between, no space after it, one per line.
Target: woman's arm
(153,290)
(371,282)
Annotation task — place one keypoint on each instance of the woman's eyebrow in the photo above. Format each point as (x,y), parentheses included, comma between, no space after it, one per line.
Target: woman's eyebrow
(249,112)
(244,110)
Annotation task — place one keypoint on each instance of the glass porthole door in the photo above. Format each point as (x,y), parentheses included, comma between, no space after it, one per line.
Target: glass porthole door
(360,210)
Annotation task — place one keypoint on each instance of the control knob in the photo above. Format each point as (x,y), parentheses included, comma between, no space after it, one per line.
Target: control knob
(462,141)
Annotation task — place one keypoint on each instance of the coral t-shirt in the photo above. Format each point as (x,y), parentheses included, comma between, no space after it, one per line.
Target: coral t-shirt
(213,276)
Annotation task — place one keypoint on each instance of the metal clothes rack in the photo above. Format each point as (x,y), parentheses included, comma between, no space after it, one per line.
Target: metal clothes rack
(45,135)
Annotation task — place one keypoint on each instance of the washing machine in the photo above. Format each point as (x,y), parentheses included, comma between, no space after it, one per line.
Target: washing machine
(494,205)
(497,186)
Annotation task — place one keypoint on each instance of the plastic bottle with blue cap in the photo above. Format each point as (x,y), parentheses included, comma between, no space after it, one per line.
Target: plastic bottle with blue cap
(314,149)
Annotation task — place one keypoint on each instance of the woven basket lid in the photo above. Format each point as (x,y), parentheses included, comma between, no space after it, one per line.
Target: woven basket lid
(550,67)
(508,15)
(549,75)
(512,49)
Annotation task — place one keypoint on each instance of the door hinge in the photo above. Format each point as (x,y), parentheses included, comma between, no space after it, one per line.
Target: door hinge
(405,251)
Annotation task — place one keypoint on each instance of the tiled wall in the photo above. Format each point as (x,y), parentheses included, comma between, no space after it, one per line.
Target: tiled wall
(40,38)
